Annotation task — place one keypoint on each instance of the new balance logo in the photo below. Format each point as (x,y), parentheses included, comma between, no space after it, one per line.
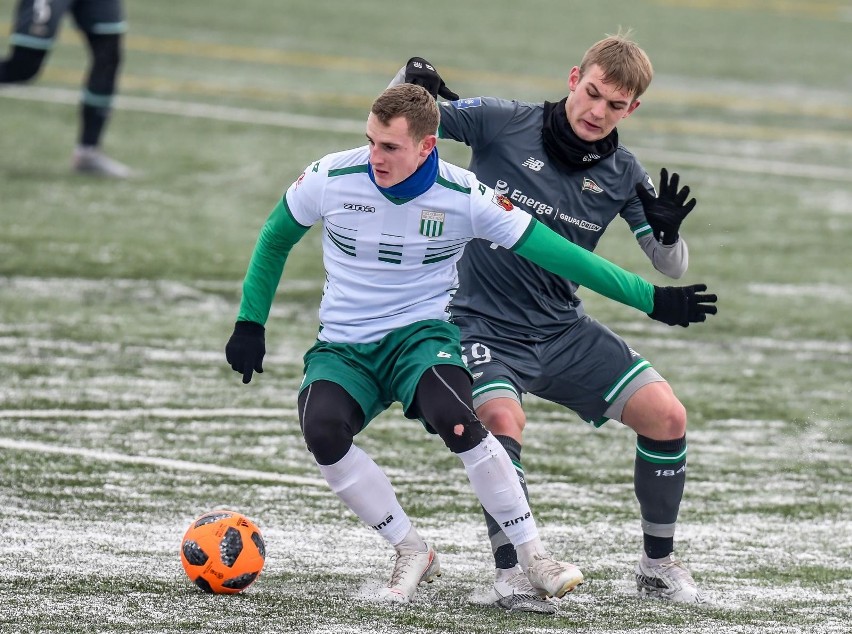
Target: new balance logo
(533,163)
(444,355)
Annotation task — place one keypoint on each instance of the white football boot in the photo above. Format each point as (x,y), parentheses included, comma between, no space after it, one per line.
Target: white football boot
(553,578)
(666,578)
(91,160)
(409,570)
(512,591)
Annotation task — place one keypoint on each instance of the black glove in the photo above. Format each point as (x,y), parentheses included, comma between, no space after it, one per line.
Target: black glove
(420,72)
(245,349)
(682,305)
(667,211)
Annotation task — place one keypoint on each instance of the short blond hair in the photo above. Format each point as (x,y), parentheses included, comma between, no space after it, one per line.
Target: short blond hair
(622,61)
(412,102)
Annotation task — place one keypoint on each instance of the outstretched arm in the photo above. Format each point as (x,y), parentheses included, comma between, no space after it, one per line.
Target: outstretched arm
(246,347)
(673,305)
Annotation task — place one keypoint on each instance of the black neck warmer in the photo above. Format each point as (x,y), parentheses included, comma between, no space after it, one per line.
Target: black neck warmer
(565,148)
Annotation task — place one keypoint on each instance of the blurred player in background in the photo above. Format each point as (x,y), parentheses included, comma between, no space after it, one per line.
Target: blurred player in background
(395,220)
(102,23)
(524,330)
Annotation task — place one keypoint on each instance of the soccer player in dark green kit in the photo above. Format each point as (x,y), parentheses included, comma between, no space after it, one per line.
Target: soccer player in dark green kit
(524,330)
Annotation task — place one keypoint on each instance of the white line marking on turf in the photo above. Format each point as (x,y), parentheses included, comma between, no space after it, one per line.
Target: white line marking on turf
(165,463)
(158,412)
(324,124)
(193,110)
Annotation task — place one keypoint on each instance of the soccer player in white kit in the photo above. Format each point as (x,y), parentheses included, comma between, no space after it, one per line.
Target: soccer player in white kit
(395,221)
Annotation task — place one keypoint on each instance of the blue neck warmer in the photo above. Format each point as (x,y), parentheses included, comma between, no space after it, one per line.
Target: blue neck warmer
(418,183)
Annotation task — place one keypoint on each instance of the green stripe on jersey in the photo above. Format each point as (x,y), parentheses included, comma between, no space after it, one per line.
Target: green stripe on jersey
(443,182)
(343,171)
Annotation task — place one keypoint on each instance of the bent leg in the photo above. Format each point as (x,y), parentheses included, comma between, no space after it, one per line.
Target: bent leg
(443,399)
(22,65)
(505,419)
(330,419)
(659,420)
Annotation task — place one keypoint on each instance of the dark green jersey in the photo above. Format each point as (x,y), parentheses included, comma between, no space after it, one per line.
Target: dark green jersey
(508,155)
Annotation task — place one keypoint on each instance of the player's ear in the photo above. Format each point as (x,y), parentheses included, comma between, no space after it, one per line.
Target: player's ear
(428,144)
(574,78)
(631,108)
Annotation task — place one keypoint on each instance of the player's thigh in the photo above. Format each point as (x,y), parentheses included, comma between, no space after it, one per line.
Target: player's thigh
(343,364)
(592,371)
(409,352)
(99,17)
(37,22)
(500,365)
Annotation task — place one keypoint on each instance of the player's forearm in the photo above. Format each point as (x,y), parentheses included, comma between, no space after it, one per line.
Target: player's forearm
(670,260)
(551,251)
(276,238)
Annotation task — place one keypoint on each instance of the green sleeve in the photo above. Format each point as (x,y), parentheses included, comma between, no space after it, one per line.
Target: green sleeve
(276,238)
(549,250)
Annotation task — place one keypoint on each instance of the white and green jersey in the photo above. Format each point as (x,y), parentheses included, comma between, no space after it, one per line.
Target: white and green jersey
(390,263)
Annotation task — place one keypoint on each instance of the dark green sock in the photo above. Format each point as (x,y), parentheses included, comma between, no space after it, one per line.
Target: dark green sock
(658,480)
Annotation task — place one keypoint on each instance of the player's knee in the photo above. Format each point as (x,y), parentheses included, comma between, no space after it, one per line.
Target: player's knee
(502,417)
(330,418)
(460,435)
(672,421)
(326,438)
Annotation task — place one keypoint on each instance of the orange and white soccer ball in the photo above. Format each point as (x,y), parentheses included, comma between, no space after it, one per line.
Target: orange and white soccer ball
(223,552)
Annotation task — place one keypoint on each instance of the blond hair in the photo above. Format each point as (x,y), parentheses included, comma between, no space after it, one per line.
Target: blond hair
(622,61)
(412,102)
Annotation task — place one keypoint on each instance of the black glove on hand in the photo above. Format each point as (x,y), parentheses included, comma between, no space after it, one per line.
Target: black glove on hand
(667,211)
(682,305)
(245,349)
(420,72)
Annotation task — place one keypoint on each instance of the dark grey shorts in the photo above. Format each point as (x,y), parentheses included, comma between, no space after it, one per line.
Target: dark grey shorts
(37,21)
(586,367)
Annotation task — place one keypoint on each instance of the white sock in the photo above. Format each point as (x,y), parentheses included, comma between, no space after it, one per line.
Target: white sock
(495,482)
(362,486)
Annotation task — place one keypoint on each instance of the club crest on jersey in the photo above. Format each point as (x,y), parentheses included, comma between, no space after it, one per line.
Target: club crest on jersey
(431,223)
(503,201)
(592,186)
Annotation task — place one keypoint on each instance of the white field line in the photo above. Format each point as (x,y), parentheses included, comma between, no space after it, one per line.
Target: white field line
(164,463)
(327,124)
(158,412)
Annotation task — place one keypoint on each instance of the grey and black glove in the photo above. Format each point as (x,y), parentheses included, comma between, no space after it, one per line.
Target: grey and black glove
(420,72)
(682,305)
(246,348)
(665,212)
